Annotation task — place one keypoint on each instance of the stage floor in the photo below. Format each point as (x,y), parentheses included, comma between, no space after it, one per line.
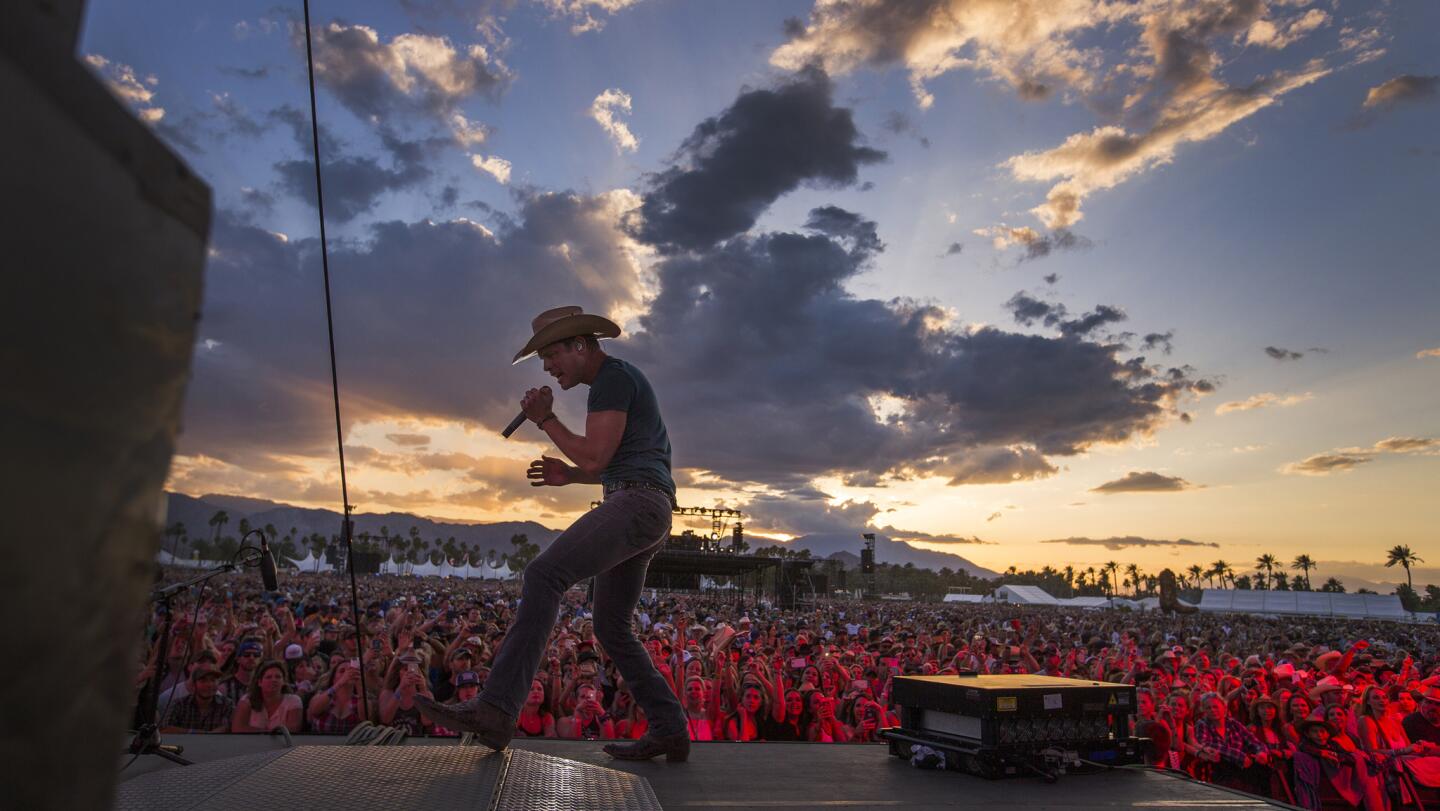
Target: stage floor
(821,776)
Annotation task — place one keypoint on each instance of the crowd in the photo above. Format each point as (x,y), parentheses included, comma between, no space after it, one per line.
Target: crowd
(1300,709)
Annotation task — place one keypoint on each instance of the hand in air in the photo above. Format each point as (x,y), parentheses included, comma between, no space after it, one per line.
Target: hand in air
(537,403)
(546,471)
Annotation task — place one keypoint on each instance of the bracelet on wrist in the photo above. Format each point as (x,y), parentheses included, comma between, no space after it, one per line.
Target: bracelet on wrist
(540,423)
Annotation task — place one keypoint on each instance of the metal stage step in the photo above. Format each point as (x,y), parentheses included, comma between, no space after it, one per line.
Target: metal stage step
(389,777)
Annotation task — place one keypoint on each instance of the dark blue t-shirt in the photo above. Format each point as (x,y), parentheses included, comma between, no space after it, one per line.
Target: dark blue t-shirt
(644,452)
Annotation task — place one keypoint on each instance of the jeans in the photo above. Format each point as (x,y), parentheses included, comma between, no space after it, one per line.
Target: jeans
(614,544)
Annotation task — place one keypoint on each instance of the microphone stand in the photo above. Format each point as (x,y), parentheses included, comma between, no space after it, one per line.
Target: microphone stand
(147,735)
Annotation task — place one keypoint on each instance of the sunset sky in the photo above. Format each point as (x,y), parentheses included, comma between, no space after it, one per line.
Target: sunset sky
(1033,281)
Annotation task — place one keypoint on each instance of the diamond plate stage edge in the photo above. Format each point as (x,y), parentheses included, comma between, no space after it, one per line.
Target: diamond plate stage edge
(360,777)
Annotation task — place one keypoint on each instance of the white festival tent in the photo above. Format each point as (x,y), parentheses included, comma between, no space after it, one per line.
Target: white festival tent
(1303,603)
(1024,595)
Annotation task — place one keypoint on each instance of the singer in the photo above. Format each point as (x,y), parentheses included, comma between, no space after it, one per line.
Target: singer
(626,450)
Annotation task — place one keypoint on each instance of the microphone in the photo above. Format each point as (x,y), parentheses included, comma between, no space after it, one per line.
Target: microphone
(514,424)
(267,565)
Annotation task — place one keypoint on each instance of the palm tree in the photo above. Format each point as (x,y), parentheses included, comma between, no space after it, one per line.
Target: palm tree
(174,531)
(1403,556)
(1112,568)
(1133,572)
(1196,572)
(1334,586)
(1303,564)
(1267,563)
(218,521)
(1222,570)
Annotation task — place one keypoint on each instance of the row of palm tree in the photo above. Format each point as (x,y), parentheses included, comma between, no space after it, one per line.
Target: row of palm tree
(410,547)
(1110,578)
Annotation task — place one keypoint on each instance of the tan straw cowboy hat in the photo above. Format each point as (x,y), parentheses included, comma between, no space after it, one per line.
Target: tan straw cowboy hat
(565,322)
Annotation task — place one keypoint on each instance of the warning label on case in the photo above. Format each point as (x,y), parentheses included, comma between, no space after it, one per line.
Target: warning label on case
(1005,704)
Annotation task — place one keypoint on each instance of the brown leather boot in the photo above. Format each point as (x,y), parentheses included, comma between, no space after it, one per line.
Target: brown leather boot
(490,724)
(675,748)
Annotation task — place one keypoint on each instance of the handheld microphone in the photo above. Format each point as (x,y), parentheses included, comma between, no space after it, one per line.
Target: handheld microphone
(514,424)
(267,566)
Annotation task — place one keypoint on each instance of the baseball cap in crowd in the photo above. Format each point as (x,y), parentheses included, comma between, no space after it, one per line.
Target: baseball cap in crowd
(293,651)
(467,677)
(247,647)
(1285,670)
(461,652)
(204,670)
(588,655)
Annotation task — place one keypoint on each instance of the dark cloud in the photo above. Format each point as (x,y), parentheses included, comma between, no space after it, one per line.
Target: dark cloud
(1164,341)
(1280,353)
(802,516)
(355,183)
(1051,278)
(906,536)
(768,366)
(1061,239)
(1029,310)
(993,516)
(845,225)
(246,73)
(409,440)
(736,164)
(1402,89)
(1144,482)
(1322,464)
(1130,541)
(954,249)
(427,316)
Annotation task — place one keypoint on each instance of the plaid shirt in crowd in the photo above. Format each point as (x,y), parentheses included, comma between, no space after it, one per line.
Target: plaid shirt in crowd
(1237,743)
(186,713)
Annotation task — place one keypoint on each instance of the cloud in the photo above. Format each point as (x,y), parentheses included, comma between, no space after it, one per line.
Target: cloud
(1403,89)
(1164,341)
(1428,353)
(908,536)
(495,166)
(847,226)
(1130,541)
(604,110)
(586,15)
(769,142)
(993,516)
(1025,43)
(1323,464)
(797,515)
(1157,70)
(1144,482)
(137,92)
(1036,244)
(797,357)
(1346,459)
(354,184)
(410,74)
(1263,400)
(428,310)
(1280,353)
(1110,155)
(954,249)
(1400,444)
(1267,34)
(409,440)
(1028,310)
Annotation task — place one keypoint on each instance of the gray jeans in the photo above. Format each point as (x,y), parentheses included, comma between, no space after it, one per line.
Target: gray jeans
(612,543)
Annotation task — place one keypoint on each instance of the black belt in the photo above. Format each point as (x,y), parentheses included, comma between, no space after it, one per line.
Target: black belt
(612,487)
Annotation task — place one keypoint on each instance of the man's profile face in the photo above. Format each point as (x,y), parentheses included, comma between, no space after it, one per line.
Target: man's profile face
(205,685)
(564,361)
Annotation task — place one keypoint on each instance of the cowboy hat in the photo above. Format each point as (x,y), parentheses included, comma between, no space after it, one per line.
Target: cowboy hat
(565,322)
(1327,660)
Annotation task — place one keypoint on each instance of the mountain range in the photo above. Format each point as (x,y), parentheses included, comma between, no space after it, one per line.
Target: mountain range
(196,513)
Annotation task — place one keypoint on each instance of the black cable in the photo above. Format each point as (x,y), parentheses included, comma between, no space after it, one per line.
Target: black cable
(334,375)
